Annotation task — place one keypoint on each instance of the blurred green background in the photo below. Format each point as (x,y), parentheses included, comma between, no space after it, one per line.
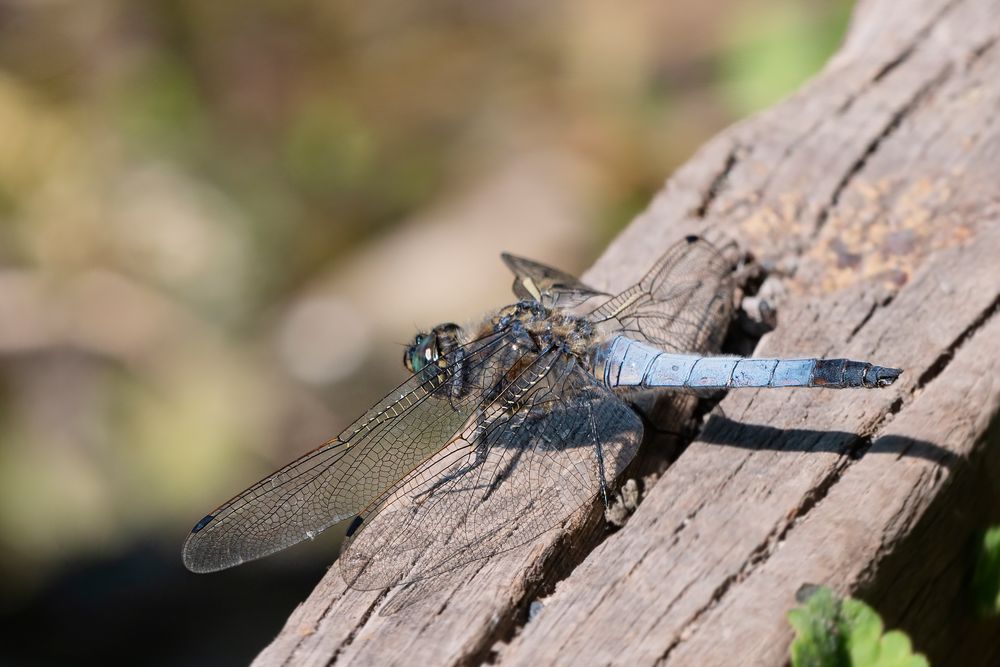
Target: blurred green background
(219,220)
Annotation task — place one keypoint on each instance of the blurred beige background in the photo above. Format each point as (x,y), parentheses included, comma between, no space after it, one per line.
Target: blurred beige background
(219,221)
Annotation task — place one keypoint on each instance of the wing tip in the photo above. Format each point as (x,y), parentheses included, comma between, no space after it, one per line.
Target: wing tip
(200,557)
(194,545)
(195,567)
(515,263)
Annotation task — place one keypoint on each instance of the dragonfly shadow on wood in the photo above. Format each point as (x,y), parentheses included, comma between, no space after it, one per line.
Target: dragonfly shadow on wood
(422,585)
(721,430)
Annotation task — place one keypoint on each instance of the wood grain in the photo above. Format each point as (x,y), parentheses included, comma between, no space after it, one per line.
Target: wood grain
(872,194)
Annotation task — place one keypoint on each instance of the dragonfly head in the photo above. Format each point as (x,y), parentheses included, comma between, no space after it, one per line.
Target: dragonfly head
(427,348)
(421,352)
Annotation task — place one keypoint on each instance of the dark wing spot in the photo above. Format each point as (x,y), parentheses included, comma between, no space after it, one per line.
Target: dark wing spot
(691,238)
(204,522)
(354,525)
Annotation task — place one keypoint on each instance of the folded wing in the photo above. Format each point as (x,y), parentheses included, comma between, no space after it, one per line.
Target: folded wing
(683,304)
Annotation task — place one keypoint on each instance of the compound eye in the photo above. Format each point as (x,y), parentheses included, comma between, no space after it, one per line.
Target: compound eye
(422,352)
(414,359)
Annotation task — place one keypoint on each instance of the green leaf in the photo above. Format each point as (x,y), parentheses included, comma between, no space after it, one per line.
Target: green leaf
(986,576)
(817,643)
(830,632)
(863,631)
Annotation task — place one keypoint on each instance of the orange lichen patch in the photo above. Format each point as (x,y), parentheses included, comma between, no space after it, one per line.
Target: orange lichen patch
(733,205)
(778,219)
(881,232)
(759,223)
(962,233)
(919,204)
(789,206)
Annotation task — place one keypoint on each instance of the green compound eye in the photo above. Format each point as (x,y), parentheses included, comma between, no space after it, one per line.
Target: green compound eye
(422,352)
(416,362)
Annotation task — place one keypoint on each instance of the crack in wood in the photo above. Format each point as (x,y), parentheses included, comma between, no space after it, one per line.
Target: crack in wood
(886,546)
(875,142)
(547,574)
(693,621)
(550,583)
(482,651)
(943,359)
(918,38)
(877,305)
(304,633)
(980,51)
(853,96)
(763,551)
(903,56)
(716,186)
(354,631)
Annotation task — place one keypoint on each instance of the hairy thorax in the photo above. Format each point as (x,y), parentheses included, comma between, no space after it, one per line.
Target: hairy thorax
(543,329)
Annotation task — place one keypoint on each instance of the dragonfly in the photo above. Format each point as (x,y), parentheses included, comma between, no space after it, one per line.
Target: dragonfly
(507,427)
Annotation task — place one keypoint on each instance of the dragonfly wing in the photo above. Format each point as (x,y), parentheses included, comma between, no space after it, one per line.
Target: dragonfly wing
(519,477)
(683,304)
(340,478)
(547,285)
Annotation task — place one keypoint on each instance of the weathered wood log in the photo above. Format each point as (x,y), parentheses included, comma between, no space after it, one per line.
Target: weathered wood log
(873,195)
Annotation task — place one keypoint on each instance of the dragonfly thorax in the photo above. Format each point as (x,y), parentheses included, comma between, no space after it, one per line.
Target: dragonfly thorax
(543,328)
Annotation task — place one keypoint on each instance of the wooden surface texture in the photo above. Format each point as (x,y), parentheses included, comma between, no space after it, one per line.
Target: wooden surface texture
(873,195)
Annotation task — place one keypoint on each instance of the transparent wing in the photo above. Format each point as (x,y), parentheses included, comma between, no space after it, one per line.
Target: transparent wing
(509,481)
(546,285)
(341,478)
(683,304)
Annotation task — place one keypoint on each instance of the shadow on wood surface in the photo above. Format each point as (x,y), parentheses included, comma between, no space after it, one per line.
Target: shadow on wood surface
(720,430)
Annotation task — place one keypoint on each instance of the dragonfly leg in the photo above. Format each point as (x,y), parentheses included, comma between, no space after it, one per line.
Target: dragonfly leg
(599,451)
(458,388)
